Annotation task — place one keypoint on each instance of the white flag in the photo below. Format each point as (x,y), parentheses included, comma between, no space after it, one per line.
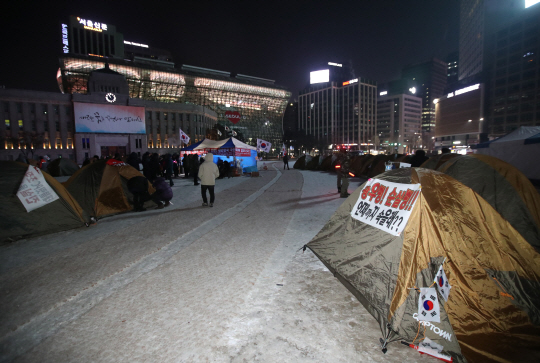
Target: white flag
(428,305)
(183,136)
(34,191)
(284,149)
(263,145)
(442,283)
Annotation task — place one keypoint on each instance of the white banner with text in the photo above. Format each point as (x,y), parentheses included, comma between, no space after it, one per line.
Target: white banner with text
(386,205)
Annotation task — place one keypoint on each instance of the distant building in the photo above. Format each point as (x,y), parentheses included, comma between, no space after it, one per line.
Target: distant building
(452,62)
(251,107)
(431,79)
(136,82)
(399,123)
(514,74)
(460,119)
(340,113)
(103,122)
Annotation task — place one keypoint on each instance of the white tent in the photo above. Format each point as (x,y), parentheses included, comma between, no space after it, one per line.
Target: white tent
(519,148)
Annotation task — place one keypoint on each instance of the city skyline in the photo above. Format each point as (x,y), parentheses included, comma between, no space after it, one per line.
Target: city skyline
(282,42)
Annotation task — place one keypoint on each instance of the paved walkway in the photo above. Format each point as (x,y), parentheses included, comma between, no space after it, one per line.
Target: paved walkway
(190,283)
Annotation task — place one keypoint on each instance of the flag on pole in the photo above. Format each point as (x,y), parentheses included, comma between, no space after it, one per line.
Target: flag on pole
(183,136)
(263,145)
(428,305)
(442,283)
(284,149)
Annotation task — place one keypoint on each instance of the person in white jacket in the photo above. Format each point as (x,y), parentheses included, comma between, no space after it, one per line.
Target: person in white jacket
(208,172)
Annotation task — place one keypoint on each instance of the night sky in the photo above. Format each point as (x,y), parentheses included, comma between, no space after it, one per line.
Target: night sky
(277,40)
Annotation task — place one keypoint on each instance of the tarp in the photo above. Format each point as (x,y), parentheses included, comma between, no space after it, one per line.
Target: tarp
(493,309)
(101,189)
(15,222)
(519,148)
(62,167)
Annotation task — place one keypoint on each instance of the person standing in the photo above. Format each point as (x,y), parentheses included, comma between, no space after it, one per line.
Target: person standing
(169,165)
(286,161)
(208,172)
(195,168)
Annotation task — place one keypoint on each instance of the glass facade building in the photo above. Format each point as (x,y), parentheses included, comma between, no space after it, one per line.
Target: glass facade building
(340,113)
(248,105)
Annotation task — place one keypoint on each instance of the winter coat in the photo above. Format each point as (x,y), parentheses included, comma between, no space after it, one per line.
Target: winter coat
(208,171)
(163,189)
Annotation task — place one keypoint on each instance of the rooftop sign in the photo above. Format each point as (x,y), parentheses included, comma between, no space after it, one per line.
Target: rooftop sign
(351,81)
(464,90)
(136,44)
(92,25)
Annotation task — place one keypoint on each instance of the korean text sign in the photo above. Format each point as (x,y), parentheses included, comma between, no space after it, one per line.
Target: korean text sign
(386,205)
(34,191)
(98,118)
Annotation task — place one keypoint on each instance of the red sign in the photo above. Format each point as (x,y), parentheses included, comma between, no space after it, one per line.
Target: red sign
(233,116)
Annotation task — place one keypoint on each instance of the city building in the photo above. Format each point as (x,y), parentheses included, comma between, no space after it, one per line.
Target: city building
(514,74)
(430,78)
(452,61)
(340,114)
(191,98)
(102,122)
(399,123)
(460,119)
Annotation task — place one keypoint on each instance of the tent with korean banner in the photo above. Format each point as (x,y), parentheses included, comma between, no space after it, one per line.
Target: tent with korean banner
(101,188)
(437,266)
(228,150)
(34,203)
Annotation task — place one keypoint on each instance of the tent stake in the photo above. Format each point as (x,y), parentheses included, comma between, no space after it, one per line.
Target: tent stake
(384,342)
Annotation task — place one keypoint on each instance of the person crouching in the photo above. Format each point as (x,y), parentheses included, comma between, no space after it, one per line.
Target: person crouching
(163,193)
(138,186)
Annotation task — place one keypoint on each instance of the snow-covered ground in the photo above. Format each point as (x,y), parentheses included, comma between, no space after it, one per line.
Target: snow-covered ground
(191,284)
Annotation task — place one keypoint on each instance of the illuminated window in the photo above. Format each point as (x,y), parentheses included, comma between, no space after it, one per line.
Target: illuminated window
(20,123)
(158,144)
(150,143)
(46,144)
(70,143)
(8,124)
(58,143)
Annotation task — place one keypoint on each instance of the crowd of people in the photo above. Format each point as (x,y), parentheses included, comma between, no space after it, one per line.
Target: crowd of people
(160,170)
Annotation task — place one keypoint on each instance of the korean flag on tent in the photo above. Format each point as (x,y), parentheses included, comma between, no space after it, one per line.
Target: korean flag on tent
(428,305)
(442,283)
(263,145)
(183,137)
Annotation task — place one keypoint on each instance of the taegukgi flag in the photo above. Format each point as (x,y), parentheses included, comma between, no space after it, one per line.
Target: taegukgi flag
(442,283)
(183,136)
(428,305)
(263,145)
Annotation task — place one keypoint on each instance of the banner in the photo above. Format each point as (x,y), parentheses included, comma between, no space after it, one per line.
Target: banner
(34,191)
(183,136)
(91,117)
(428,305)
(263,146)
(229,152)
(386,205)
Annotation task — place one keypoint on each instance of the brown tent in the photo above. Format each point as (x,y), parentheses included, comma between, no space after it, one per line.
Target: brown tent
(101,187)
(493,309)
(15,222)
